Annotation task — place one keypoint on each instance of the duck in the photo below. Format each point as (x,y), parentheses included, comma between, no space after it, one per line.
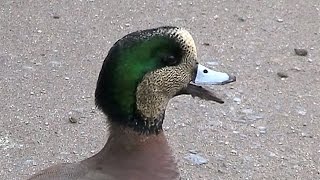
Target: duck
(141,73)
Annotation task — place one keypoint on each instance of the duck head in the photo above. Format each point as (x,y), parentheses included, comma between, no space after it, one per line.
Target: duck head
(144,70)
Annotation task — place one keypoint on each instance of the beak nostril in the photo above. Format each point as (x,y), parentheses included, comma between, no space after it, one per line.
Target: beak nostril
(207,76)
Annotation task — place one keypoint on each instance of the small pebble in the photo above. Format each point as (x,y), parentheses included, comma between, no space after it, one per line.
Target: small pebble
(301,52)
(296,69)
(237,100)
(212,63)
(306,135)
(206,44)
(279,20)
(271,154)
(247,111)
(234,152)
(282,75)
(192,151)
(262,129)
(56,17)
(302,112)
(72,118)
(241,19)
(196,159)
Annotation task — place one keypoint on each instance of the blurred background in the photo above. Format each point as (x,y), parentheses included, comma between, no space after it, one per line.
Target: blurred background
(51,53)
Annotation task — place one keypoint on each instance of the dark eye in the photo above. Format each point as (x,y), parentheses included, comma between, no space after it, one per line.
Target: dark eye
(170,60)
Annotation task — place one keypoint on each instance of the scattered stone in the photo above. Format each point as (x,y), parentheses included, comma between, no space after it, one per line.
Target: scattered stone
(247,111)
(56,17)
(262,129)
(215,17)
(66,78)
(196,159)
(192,151)
(241,19)
(127,24)
(271,154)
(302,112)
(237,100)
(72,119)
(183,125)
(234,152)
(212,63)
(303,134)
(282,75)
(74,116)
(301,52)
(297,69)
(280,20)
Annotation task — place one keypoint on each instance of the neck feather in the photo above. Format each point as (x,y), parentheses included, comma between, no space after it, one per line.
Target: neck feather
(139,123)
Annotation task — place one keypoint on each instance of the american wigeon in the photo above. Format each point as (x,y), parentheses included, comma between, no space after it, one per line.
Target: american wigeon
(141,73)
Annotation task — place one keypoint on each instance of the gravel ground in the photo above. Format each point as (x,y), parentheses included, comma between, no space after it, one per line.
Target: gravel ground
(51,53)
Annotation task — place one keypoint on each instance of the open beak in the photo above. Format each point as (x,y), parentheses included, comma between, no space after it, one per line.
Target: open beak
(206,76)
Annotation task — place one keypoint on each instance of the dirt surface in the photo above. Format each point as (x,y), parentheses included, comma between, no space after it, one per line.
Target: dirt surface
(51,53)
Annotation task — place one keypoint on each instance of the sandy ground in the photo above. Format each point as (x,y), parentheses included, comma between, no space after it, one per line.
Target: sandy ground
(51,53)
